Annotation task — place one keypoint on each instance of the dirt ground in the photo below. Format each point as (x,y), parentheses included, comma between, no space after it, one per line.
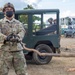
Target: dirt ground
(58,65)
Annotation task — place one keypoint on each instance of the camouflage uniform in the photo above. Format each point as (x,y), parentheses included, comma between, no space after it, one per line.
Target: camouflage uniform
(15,56)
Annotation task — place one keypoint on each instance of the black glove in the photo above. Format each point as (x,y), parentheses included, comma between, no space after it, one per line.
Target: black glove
(16,39)
(12,38)
(7,39)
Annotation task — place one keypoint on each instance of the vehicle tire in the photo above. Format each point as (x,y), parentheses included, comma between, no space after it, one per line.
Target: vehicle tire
(65,35)
(42,59)
(73,35)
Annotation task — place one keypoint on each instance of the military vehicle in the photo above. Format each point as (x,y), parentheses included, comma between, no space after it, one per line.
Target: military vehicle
(70,31)
(41,33)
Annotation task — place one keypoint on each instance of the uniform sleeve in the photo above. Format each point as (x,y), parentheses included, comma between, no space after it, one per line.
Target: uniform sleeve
(21,31)
(2,36)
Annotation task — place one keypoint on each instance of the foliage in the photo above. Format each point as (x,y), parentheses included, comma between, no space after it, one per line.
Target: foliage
(29,7)
(24,18)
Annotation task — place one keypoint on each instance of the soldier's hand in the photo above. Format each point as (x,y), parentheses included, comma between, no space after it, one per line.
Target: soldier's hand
(8,38)
(15,40)
(5,37)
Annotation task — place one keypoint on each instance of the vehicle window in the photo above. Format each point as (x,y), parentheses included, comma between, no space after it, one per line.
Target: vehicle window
(49,19)
(36,22)
(24,19)
(44,24)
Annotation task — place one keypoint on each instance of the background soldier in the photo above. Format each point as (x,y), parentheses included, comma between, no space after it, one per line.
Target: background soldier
(15,56)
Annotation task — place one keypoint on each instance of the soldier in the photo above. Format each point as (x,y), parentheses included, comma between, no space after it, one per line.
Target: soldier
(11,53)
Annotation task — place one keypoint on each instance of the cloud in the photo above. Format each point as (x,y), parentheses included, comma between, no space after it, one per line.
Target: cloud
(20,4)
(31,2)
(67,13)
(17,3)
(65,0)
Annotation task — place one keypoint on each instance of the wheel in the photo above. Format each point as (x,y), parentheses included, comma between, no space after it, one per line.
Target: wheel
(73,35)
(42,59)
(65,35)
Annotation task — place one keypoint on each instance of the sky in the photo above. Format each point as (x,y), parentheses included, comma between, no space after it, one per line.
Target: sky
(66,7)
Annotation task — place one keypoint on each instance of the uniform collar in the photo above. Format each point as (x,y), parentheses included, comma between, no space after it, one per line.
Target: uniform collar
(6,20)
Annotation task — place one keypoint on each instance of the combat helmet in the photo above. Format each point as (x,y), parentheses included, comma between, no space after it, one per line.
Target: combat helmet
(8,5)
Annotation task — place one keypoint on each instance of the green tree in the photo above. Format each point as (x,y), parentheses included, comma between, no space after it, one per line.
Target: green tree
(24,18)
(36,18)
(29,7)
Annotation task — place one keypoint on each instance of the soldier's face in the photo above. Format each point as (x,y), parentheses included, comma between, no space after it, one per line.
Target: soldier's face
(9,12)
(8,9)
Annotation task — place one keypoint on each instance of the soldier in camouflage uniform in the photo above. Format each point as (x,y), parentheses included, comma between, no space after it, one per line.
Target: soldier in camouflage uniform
(11,54)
